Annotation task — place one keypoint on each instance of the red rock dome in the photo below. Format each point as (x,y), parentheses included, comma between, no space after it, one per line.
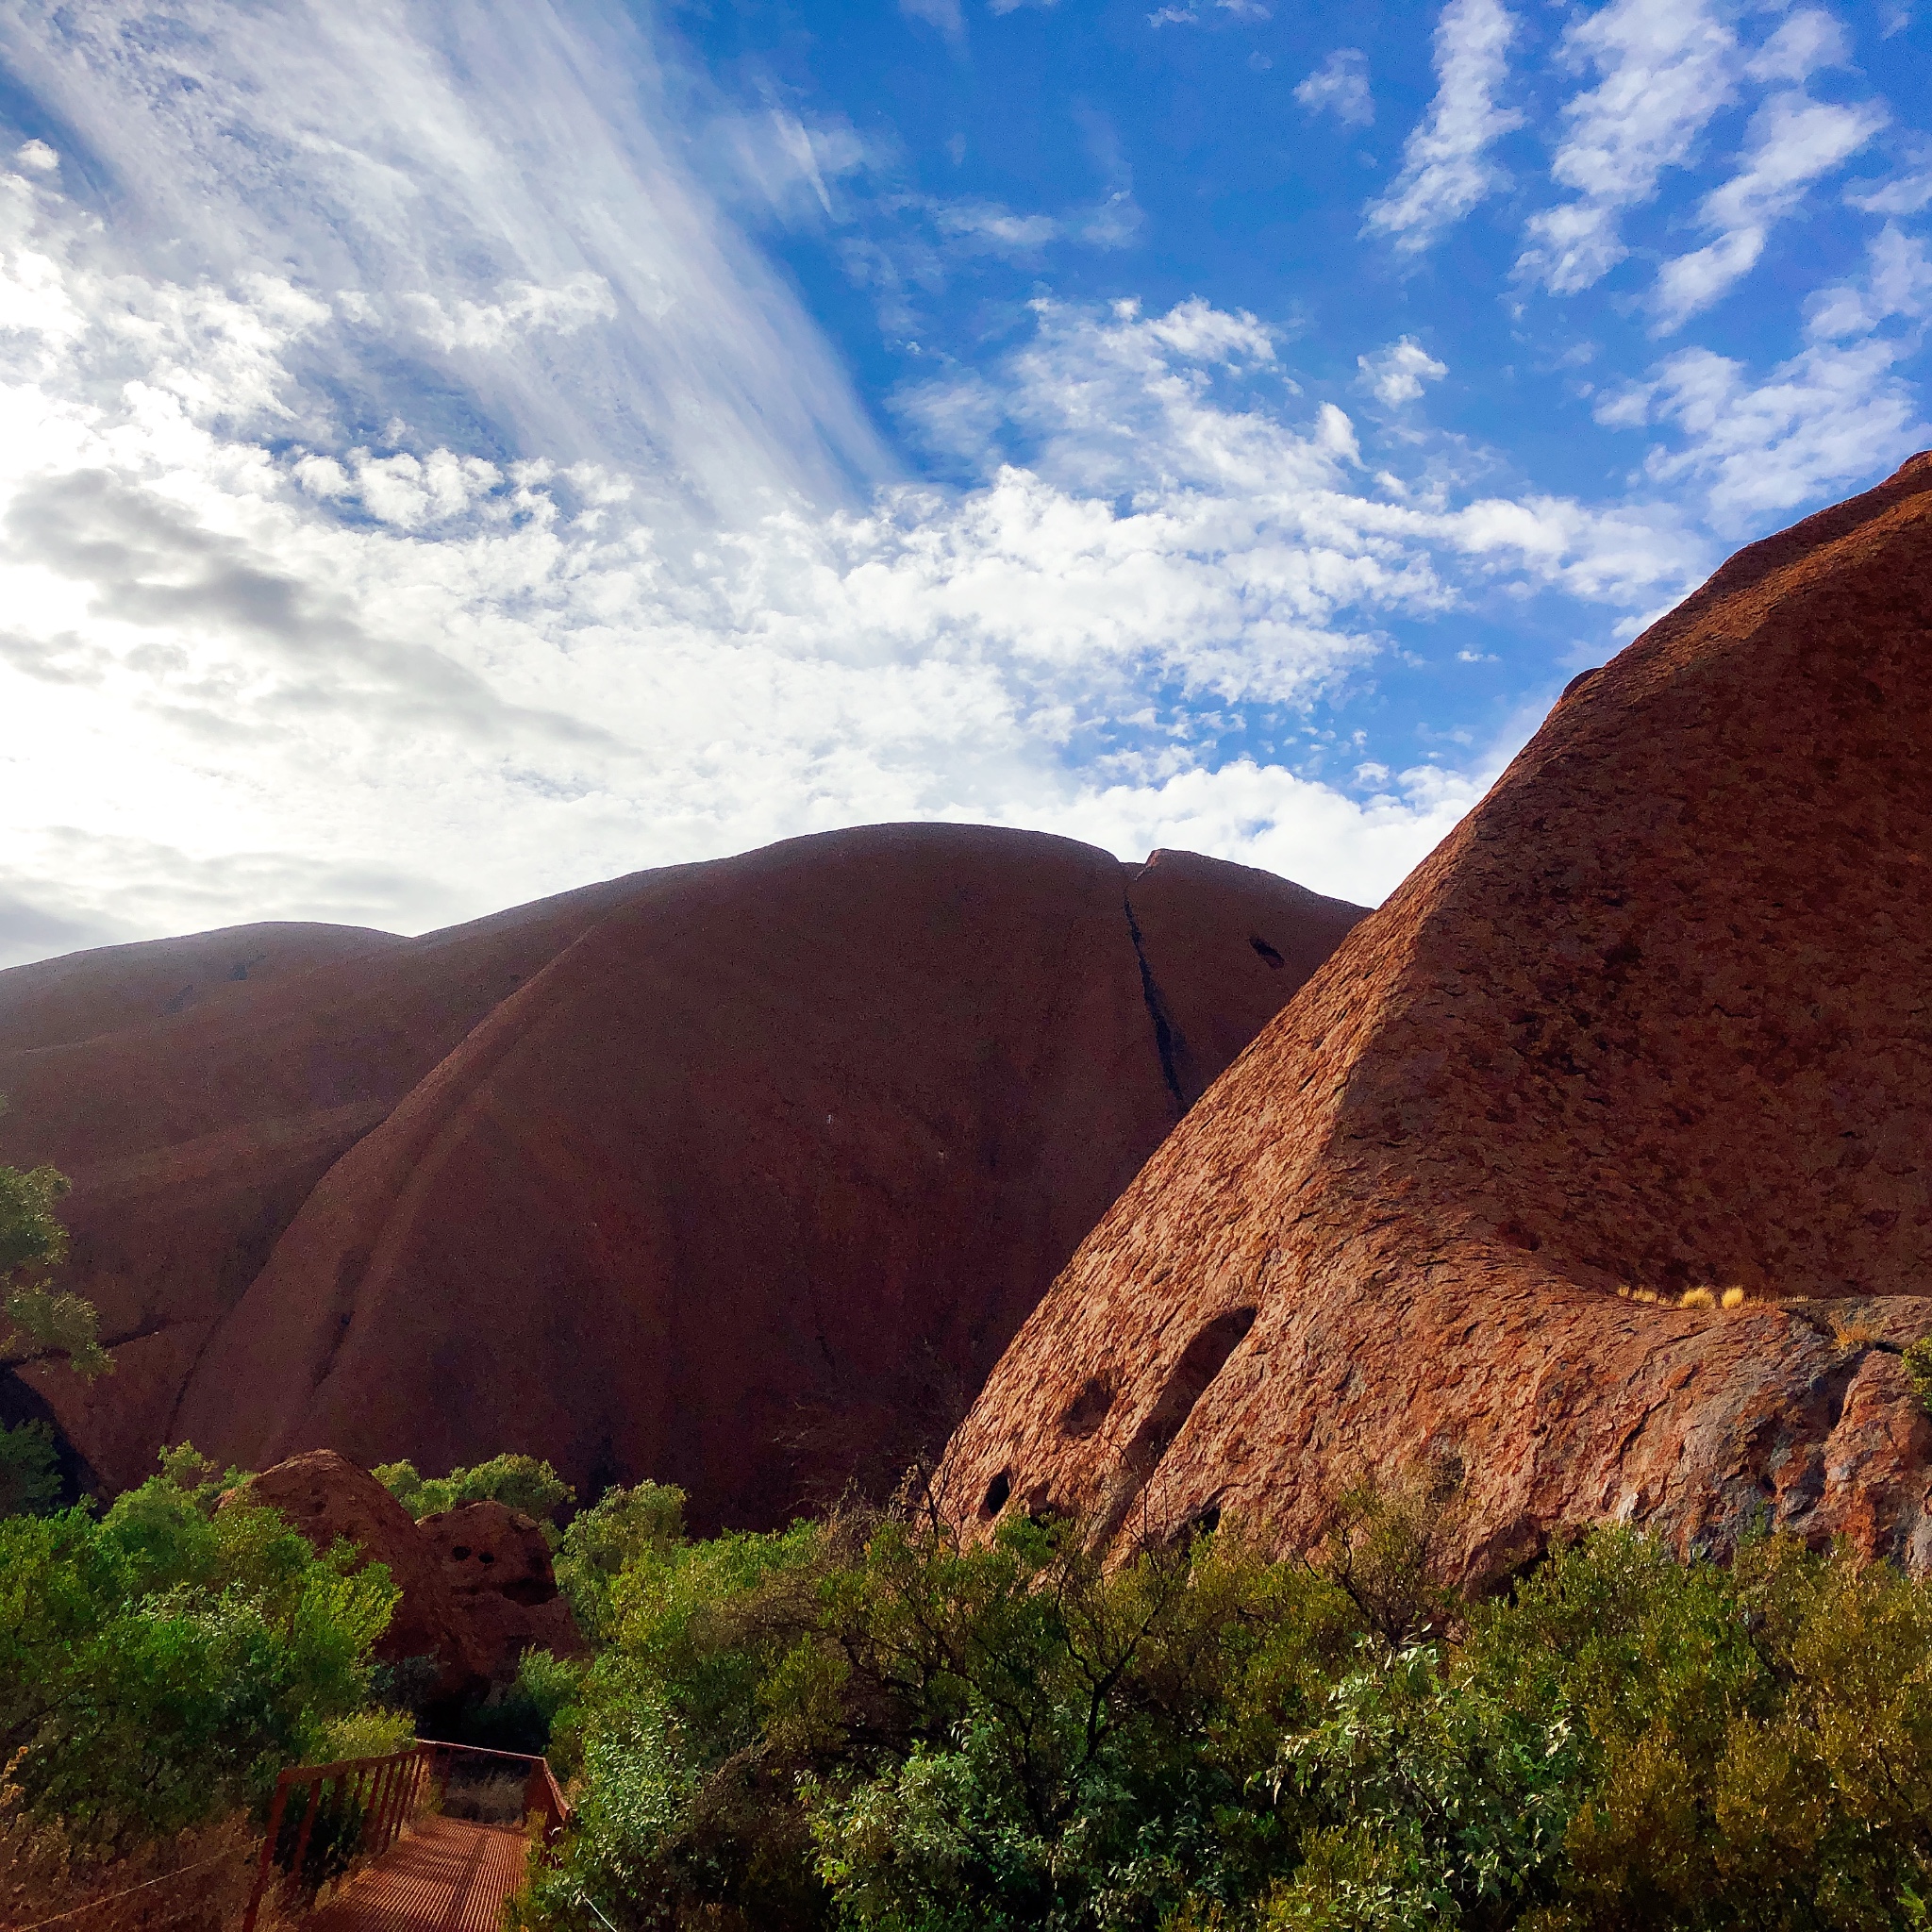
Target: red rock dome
(1656,1015)
(732,1174)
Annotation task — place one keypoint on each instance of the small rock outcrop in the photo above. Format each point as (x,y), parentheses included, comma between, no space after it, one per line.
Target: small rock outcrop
(1656,1016)
(326,1498)
(496,1562)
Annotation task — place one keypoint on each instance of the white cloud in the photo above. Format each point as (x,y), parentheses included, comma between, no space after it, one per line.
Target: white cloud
(987,227)
(1341,86)
(521,309)
(38,157)
(1665,68)
(1906,193)
(1447,169)
(1810,42)
(1792,141)
(402,684)
(1174,16)
(1395,375)
(1835,416)
(1898,282)
(944,14)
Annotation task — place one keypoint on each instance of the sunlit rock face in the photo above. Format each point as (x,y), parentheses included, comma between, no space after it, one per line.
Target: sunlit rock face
(1656,1016)
(738,1174)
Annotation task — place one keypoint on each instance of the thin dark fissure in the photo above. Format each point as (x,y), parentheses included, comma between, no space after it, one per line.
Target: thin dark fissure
(1167,1041)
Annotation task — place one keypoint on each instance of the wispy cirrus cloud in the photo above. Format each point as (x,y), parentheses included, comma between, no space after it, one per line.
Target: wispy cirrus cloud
(1446,165)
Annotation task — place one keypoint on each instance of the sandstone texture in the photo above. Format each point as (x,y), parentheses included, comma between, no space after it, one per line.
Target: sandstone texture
(496,1562)
(1658,1014)
(738,1176)
(326,1498)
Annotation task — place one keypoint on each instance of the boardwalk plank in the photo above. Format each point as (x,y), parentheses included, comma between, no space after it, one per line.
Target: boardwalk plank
(446,1876)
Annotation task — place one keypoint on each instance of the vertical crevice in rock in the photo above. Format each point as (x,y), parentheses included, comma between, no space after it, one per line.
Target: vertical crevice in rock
(1168,1043)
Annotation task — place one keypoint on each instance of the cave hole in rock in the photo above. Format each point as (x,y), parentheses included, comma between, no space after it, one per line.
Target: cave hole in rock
(1201,1362)
(1089,1409)
(997,1492)
(461,1553)
(1266,951)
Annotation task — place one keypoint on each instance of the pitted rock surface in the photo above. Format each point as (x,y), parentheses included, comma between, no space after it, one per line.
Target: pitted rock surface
(496,1562)
(733,1175)
(1658,1014)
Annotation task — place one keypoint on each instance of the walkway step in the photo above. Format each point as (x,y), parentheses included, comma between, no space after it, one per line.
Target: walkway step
(444,1875)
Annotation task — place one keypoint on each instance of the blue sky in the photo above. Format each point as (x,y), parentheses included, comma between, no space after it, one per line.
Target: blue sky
(448,453)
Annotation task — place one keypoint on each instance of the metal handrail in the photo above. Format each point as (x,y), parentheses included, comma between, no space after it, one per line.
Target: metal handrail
(389,1791)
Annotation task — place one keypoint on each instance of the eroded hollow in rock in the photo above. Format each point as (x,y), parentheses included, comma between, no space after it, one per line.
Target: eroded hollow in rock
(1089,1409)
(997,1492)
(1201,1362)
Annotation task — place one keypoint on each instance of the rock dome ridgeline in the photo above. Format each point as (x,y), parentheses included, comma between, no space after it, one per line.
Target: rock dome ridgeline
(737,1174)
(1656,1017)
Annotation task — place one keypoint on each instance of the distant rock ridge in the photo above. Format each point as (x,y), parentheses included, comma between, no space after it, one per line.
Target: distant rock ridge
(1658,1014)
(734,1174)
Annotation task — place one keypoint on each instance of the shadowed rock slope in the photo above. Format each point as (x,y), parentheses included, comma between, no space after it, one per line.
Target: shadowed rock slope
(1658,1014)
(731,1174)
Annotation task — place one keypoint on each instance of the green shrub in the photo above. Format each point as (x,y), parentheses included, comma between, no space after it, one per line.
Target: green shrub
(1918,1367)
(29,1470)
(622,1526)
(374,1733)
(518,1716)
(36,1320)
(855,1724)
(520,1482)
(159,1665)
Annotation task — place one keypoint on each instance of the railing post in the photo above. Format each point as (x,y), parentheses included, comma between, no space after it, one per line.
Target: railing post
(268,1852)
(315,1785)
(385,1817)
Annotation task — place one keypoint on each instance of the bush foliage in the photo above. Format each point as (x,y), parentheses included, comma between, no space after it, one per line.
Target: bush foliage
(520,1482)
(36,1320)
(855,1723)
(158,1664)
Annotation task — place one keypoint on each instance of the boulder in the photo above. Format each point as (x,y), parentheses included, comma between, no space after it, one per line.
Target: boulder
(1653,1018)
(497,1563)
(738,1176)
(325,1497)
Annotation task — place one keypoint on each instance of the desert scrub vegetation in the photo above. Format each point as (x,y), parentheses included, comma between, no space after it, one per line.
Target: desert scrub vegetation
(519,1482)
(161,1660)
(858,1723)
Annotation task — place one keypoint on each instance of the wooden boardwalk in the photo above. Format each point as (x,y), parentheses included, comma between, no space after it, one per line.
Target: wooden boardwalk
(443,1875)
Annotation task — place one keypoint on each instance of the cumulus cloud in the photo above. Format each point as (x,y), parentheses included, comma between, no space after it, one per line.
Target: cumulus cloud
(1395,375)
(1665,69)
(1446,166)
(1792,142)
(1340,87)
(286,634)
(422,680)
